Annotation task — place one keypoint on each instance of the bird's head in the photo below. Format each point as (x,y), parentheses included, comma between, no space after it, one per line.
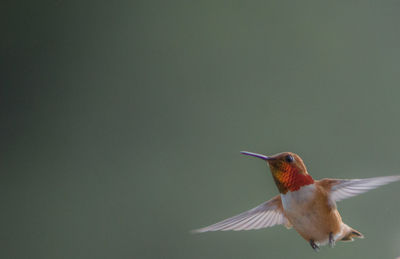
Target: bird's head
(288,170)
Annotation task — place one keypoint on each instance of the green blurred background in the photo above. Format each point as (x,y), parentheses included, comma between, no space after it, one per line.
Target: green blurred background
(121,123)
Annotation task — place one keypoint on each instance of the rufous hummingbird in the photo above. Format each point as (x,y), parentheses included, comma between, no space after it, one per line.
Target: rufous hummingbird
(307,205)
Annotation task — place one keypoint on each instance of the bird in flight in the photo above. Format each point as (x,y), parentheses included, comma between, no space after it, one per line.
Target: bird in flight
(307,205)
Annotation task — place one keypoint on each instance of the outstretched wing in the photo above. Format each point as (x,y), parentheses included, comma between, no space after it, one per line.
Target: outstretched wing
(268,214)
(341,189)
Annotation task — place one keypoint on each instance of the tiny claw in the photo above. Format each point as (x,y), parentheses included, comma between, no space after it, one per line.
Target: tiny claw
(314,245)
(331,240)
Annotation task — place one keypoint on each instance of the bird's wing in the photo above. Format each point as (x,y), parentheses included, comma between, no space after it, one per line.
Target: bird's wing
(268,214)
(341,189)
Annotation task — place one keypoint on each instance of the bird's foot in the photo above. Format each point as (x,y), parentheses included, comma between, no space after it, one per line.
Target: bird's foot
(314,245)
(331,240)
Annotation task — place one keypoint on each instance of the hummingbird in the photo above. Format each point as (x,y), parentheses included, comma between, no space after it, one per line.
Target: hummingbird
(307,205)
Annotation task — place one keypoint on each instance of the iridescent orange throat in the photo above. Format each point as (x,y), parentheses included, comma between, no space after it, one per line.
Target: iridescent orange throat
(290,179)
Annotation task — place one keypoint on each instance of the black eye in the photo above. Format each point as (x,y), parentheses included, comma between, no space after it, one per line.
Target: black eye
(289,158)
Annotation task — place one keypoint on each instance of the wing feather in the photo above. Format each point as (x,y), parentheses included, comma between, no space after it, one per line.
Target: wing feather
(341,189)
(267,214)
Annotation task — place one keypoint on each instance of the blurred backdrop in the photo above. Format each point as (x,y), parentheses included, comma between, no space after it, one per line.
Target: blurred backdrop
(121,123)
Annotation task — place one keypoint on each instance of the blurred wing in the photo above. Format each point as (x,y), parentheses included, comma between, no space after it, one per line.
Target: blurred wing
(342,189)
(265,215)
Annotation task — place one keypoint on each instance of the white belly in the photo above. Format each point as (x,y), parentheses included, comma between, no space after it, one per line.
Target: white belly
(296,206)
(292,201)
(308,214)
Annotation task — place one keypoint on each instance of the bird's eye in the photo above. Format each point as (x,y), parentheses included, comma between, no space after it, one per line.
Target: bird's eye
(289,158)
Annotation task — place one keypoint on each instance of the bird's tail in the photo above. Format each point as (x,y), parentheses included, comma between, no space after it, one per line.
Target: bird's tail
(350,233)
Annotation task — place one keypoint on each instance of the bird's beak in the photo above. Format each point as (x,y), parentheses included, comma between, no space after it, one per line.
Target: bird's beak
(263,157)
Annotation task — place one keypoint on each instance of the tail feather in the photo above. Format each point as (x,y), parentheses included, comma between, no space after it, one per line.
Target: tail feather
(351,233)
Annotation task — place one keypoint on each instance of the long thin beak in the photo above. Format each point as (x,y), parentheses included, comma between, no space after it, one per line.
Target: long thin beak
(263,157)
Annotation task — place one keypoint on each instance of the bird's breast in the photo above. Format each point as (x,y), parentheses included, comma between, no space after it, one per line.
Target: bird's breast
(298,199)
(309,212)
